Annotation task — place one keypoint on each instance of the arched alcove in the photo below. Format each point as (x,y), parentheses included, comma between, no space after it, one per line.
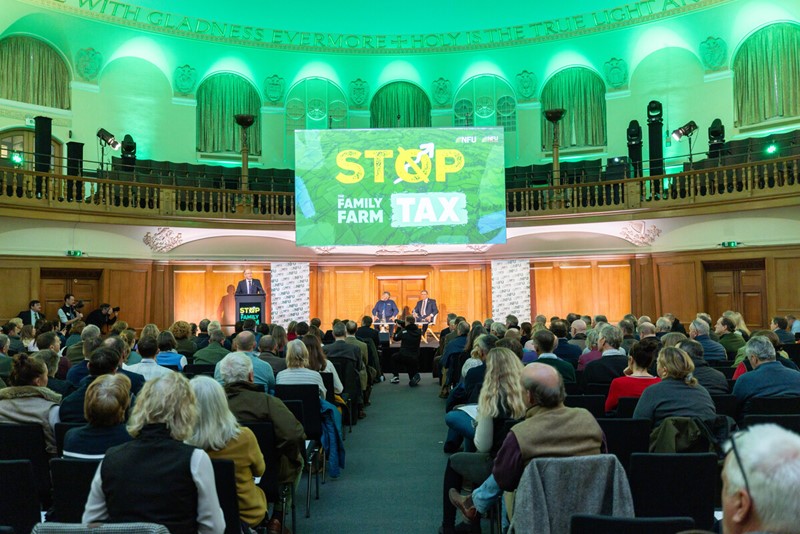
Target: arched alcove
(400,104)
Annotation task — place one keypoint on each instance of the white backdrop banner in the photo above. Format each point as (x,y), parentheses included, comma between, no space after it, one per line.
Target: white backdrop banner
(291,292)
(511,290)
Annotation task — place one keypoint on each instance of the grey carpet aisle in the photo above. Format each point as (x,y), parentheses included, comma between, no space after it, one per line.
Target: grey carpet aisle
(393,476)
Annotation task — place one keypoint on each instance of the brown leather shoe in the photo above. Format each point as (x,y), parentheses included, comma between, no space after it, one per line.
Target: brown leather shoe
(274,527)
(464,504)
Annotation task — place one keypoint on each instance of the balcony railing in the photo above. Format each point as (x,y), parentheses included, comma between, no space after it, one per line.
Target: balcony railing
(730,187)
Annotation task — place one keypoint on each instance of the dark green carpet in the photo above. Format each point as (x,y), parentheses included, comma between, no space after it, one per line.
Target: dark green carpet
(392,480)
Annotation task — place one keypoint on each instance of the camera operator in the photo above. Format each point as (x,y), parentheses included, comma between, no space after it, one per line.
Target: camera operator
(409,336)
(70,312)
(103,316)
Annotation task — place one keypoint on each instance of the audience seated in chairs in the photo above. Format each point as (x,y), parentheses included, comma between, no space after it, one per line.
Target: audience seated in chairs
(297,371)
(501,398)
(182,331)
(107,401)
(636,376)
(168,351)
(218,433)
(678,394)
(742,362)
(28,400)
(245,343)
(708,377)
(103,361)
(213,352)
(174,485)
(768,378)
(51,359)
(318,362)
(549,429)
(613,361)
(148,368)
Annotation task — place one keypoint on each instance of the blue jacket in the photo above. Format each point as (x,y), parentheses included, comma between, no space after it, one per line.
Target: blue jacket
(332,441)
(385,308)
(770,379)
(711,349)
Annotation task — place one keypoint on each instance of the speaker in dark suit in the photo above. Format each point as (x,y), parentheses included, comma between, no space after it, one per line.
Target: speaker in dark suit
(425,310)
(250,285)
(32,314)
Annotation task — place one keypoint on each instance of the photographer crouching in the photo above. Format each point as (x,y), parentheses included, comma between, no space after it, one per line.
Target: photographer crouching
(409,336)
(103,317)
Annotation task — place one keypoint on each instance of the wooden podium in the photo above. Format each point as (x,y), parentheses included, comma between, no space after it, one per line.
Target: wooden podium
(250,307)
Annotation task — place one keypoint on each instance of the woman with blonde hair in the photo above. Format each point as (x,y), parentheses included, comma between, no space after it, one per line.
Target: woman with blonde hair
(739,323)
(678,394)
(297,371)
(182,332)
(502,397)
(173,482)
(218,433)
(150,330)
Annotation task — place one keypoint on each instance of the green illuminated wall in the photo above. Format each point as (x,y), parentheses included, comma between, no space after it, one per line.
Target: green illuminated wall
(136,90)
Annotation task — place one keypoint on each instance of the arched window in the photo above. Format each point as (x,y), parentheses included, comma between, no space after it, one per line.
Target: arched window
(766,69)
(486,100)
(582,93)
(22,141)
(313,104)
(219,99)
(31,71)
(400,99)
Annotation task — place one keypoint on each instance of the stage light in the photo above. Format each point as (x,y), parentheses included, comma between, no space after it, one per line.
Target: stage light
(108,138)
(17,159)
(772,148)
(634,133)
(716,132)
(128,153)
(654,111)
(687,129)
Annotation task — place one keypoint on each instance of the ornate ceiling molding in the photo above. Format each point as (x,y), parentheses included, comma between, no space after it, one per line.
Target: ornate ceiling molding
(402,250)
(639,234)
(164,240)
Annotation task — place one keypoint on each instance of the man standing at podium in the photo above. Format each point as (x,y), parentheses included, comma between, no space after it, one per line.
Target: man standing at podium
(250,285)
(425,311)
(385,311)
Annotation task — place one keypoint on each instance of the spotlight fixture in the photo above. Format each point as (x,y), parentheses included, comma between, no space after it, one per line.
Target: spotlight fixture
(716,138)
(634,133)
(128,153)
(17,159)
(654,111)
(108,138)
(687,129)
(772,148)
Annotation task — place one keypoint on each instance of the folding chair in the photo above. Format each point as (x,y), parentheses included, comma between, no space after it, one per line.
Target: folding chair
(61,430)
(626,407)
(72,480)
(626,436)
(659,485)
(327,380)
(265,435)
(603,524)
(225,481)
(26,442)
(311,419)
(596,404)
(17,508)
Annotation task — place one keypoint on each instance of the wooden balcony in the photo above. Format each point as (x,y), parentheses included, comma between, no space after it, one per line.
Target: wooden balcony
(721,189)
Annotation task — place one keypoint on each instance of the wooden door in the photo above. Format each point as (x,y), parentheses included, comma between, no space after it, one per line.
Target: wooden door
(55,283)
(742,289)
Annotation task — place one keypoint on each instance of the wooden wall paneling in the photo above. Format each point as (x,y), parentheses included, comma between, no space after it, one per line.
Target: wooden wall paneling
(409,295)
(643,287)
(677,289)
(161,295)
(546,281)
(326,295)
(615,296)
(721,292)
(483,275)
(313,297)
(577,287)
(350,301)
(18,293)
(189,296)
(128,289)
(217,300)
(454,293)
(783,285)
(52,296)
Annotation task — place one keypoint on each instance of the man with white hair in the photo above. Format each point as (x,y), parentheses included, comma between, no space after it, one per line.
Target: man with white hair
(646,329)
(769,378)
(262,371)
(712,350)
(761,481)
(249,405)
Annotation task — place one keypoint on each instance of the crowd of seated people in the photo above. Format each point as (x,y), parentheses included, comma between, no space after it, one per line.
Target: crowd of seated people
(124,393)
(671,371)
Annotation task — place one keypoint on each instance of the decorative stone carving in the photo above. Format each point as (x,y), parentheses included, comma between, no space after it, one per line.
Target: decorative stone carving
(185,78)
(163,240)
(484,107)
(401,250)
(714,53)
(478,249)
(324,250)
(442,92)
(639,234)
(359,92)
(274,86)
(88,62)
(616,71)
(526,85)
